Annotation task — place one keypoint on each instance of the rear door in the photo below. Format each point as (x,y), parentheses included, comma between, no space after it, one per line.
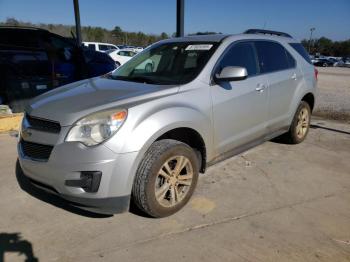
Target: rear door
(240,108)
(283,78)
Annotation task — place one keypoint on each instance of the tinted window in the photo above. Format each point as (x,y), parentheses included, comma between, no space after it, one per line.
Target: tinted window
(241,54)
(301,50)
(19,38)
(103,47)
(91,46)
(272,56)
(290,59)
(60,43)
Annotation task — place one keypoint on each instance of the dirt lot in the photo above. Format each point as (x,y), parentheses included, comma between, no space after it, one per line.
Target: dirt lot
(275,202)
(333,99)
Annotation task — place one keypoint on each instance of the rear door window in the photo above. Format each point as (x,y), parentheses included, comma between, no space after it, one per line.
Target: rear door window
(272,56)
(241,54)
(103,47)
(290,59)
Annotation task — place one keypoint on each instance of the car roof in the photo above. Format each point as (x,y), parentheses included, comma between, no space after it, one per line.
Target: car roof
(230,37)
(198,38)
(22,28)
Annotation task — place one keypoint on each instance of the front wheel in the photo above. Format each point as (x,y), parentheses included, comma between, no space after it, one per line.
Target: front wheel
(166,178)
(300,125)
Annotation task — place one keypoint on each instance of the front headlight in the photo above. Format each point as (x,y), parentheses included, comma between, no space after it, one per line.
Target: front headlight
(97,127)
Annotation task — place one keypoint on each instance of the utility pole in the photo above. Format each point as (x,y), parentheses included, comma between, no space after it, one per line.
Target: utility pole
(77,21)
(311,31)
(180,10)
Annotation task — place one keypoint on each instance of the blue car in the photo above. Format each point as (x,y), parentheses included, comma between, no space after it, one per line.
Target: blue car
(34,61)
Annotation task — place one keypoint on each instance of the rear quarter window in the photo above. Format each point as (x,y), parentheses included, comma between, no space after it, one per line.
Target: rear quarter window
(301,50)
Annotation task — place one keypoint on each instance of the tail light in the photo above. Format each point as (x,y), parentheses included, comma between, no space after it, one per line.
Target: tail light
(316,73)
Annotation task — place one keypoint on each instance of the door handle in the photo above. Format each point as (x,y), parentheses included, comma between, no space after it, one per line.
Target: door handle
(294,76)
(260,88)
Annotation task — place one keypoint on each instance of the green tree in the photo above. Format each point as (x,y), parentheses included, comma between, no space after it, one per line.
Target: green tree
(164,35)
(117,31)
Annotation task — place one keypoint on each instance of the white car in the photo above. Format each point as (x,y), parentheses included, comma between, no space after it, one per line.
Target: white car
(121,56)
(138,49)
(102,47)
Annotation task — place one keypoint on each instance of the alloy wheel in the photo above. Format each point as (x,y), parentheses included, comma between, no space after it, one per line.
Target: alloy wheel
(303,123)
(173,181)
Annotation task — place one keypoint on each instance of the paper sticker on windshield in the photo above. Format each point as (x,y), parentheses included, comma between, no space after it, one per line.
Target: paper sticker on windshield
(199,47)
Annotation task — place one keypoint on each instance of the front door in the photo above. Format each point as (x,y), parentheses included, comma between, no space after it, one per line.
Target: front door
(240,108)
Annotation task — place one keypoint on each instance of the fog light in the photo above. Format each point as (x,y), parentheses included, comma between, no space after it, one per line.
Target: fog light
(89,181)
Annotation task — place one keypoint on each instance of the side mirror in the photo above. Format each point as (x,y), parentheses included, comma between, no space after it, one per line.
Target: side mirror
(231,73)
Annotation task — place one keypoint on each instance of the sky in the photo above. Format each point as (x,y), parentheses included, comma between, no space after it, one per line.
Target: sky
(331,18)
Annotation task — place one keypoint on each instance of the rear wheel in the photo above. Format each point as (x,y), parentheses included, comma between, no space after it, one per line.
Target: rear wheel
(300,125)
(166,178)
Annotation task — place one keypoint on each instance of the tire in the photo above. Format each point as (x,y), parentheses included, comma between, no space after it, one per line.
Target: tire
(324,65)
(300,125)
(150,193)
(117,64)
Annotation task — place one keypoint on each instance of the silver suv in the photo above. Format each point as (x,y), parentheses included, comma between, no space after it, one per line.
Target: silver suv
(145,131)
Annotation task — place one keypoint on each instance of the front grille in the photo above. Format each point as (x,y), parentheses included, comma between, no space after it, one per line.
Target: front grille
(43,124)
(36,151)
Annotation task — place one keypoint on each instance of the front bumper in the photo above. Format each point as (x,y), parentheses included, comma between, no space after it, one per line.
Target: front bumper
(68,160)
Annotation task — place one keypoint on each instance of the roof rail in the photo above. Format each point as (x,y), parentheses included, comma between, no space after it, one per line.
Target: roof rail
(266,32)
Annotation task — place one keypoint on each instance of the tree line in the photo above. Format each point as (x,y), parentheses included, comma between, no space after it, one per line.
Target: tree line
(118,36)
(327,47)
(94,33)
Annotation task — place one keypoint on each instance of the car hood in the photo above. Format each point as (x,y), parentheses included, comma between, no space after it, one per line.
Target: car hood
(71,102)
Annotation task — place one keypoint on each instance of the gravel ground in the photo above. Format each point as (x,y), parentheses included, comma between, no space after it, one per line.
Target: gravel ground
(333,100)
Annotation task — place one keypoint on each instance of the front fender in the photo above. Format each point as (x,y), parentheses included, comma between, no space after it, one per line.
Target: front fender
(145,131)
(139,136)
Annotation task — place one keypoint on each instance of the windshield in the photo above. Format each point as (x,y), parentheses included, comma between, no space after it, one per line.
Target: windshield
(167,63)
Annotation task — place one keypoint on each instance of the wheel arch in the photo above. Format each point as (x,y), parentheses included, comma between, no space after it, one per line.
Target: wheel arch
(180,123)
(310,99)
(190,137)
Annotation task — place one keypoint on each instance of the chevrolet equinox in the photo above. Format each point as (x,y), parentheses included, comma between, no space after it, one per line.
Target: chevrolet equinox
(145,131)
